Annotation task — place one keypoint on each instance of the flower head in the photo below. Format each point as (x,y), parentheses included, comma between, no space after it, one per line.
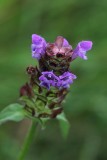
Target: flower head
(60,48)
(50,81)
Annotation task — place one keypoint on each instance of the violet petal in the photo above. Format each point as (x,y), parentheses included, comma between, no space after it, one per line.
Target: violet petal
(38,46)
(81,49)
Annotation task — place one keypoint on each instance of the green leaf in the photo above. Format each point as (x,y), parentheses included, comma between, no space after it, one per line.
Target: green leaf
(64,125)
(13,112)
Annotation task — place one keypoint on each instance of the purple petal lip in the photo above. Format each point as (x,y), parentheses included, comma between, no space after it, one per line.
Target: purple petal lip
(81,49)
(38,46)
(45,84)
(86,45)
(38,40)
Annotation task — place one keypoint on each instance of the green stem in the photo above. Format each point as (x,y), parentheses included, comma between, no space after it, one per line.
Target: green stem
(28,141)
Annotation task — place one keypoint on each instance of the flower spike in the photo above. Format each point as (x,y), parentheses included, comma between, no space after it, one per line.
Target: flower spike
(51,80)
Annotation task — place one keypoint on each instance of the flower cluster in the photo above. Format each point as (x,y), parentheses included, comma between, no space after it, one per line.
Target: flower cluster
(51,79)
(60,49)
(61,46)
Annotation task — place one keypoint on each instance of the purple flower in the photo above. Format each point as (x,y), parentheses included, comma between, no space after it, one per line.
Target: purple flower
(66,79)
(48,79)
(81,49)
(38,46)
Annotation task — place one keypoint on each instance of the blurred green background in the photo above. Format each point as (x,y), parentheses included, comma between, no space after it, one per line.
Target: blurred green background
(86,104)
